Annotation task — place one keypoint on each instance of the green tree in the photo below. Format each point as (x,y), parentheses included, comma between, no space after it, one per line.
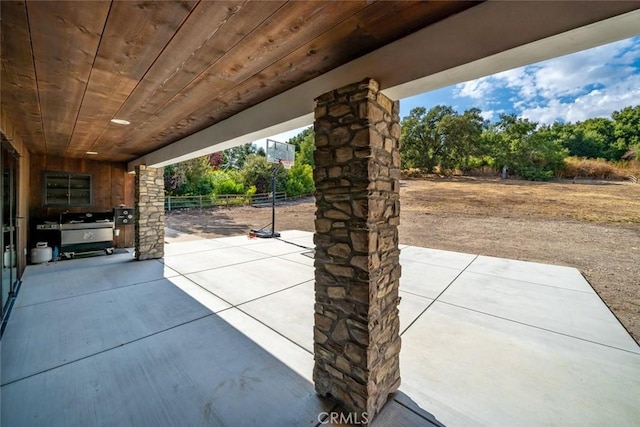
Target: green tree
(535,154)
(626,130)
(307,146)
(544,155)
(461,135)
(174,179)
(421,143)
(494,147)
(234,158)
(301,137)
(196,172)
(440,137)
(601,129)
(304,144)
(505,140)
(189,177)
(583,142)
(257,172)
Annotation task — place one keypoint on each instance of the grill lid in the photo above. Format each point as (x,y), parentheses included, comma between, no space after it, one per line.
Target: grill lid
(87,226)
(85,217)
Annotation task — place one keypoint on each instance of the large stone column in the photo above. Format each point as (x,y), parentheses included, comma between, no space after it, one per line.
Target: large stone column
(357,270)
(149,205)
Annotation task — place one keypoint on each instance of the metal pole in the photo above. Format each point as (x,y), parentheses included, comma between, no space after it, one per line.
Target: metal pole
(273,201)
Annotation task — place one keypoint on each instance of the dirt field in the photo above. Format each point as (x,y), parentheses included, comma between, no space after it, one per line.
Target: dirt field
(594,227)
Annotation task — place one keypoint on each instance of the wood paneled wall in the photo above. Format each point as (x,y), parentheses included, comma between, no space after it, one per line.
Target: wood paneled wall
(112,186)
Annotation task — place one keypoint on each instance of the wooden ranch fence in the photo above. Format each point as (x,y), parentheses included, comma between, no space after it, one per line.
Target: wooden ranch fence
(205,201)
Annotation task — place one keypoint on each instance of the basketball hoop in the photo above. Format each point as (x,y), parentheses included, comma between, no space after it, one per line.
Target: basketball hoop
(280,153)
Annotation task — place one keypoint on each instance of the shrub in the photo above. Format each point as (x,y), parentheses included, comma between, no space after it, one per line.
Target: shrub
(300,180)
(257,171)
(226,182)
(536,174)
(229,187)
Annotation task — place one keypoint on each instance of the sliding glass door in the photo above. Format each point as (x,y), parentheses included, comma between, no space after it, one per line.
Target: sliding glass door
(8,237)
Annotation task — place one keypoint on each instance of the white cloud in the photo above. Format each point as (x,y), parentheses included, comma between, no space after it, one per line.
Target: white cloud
(569,75)
(522,80)
(629,57)
(491,114)
(597,103)
(475,89)
(586,84)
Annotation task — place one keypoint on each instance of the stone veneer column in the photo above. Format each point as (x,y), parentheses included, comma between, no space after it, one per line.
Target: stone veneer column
(149,205)
(357,270)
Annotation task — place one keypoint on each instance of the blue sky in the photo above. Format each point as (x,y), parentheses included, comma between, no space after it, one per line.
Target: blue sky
(592,83)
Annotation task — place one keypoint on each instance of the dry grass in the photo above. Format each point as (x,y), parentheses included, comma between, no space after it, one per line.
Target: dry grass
(595,202)
(579,167)
(574,167)
(631,167)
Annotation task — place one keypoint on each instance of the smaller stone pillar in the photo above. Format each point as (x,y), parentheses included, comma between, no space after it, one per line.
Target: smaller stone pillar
(149,205)
(357,269)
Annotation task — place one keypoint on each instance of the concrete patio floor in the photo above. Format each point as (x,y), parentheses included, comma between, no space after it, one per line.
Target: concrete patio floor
(219,332)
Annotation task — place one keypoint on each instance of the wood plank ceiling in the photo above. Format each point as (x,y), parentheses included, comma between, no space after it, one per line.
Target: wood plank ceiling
(172,68)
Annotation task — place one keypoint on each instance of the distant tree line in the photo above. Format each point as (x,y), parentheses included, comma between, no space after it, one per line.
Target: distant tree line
(443,139)
(439,139)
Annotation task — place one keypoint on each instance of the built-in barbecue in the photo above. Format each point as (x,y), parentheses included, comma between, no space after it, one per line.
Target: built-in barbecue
(82,232)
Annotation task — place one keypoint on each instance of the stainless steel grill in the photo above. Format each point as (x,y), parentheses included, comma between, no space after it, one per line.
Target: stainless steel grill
(83,232)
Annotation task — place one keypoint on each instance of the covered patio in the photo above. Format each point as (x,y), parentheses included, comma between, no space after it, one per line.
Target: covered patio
(226,331)
(219,332)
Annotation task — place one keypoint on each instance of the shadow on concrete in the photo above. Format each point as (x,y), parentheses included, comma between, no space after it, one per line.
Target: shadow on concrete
(195,370)
(217,222)
(405,400)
